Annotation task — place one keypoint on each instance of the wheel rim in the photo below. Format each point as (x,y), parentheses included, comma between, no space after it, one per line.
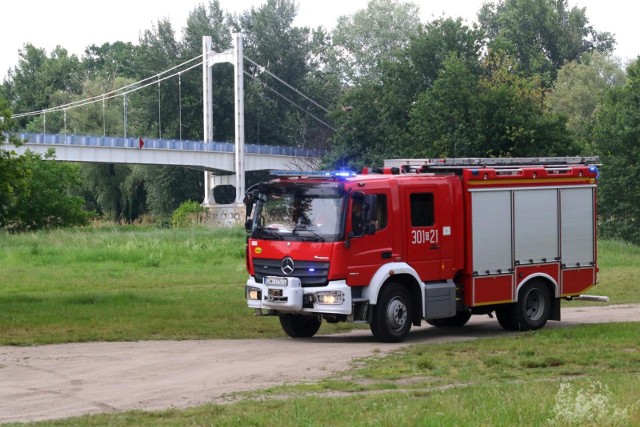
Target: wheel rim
(397,314)
(534,304)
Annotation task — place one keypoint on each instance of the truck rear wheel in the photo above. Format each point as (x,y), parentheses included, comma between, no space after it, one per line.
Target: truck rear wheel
(460,319)
(531,312)
(299,326)
(392,315)
(534,306)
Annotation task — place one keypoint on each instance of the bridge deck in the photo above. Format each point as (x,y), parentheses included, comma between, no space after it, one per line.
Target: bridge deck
(214,156)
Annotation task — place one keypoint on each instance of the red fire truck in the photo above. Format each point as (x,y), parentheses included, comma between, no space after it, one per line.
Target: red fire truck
(435,240)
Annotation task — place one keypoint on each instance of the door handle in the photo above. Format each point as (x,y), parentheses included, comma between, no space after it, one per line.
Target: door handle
(386,255)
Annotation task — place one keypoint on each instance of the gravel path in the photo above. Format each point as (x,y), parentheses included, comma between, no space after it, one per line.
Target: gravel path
(59,381)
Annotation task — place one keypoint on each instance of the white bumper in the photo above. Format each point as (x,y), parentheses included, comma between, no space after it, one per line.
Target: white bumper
(292,297)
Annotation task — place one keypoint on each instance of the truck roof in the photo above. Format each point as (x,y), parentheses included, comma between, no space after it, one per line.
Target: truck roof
(478,172)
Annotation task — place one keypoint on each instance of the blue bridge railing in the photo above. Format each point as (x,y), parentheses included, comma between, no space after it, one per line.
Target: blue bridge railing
(162,144)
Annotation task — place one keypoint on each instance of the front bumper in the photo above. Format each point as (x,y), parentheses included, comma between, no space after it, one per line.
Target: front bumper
(293,298)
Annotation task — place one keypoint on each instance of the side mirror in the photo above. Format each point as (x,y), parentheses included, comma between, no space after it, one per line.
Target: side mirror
(248,202)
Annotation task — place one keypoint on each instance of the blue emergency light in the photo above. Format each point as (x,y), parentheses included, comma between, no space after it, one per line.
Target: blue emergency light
(321,174)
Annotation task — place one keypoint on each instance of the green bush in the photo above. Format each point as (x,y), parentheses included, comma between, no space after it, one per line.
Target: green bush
(188,213)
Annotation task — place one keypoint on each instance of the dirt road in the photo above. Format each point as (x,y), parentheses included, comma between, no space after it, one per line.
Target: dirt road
(59,381)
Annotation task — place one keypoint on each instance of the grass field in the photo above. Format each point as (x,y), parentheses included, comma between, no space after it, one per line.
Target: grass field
(146,283)
(133,283)
(115,284)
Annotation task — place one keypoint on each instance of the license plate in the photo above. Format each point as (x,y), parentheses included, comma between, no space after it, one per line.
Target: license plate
(275,281)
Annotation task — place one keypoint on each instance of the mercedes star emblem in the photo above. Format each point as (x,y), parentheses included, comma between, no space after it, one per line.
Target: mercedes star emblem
(287,266)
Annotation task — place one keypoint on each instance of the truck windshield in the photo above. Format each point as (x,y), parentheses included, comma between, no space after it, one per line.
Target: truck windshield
(299,212)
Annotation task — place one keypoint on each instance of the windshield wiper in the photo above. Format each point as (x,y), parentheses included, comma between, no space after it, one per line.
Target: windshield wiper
(302,227)
(269,232)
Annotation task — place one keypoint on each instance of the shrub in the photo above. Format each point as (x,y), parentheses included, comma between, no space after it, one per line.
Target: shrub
(586,406)
(187,214)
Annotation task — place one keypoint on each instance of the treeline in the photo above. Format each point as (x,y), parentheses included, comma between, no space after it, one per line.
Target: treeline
(532,78)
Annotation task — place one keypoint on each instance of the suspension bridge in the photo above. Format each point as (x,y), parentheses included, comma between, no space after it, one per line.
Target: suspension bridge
(217,159)
(223,163)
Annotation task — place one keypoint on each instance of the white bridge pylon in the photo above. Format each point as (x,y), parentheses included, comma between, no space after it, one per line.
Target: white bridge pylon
(209,59)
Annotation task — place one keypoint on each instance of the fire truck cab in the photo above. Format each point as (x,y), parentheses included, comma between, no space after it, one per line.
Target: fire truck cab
(419,239)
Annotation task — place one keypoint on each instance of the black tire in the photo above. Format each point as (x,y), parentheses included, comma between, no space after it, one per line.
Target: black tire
(299,326)
(531,312)
(533,306)
(392,315)
(460,319)
(507,317)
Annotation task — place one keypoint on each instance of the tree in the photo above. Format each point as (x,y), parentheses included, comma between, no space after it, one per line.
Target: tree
(167,187)
(372,36)
(498,113)
(37,79)
(104,182)
(13,171)
(36,192)
(110,60)
(542,35)
(616,136)
(514,122)
(48,199)
(365,136)
(444,117)
(434,44)
(580,88)
(375,118)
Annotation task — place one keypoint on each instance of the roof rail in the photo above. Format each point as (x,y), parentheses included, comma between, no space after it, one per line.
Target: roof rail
(480,162)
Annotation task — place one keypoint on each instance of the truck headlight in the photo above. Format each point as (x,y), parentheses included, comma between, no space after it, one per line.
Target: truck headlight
(253,293)
(329,297)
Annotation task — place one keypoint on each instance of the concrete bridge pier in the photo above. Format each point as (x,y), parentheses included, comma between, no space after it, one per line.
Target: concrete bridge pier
(211,181)
(222,215)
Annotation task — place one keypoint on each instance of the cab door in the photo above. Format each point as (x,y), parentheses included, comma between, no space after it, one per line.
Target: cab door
(369,245)
(423,231)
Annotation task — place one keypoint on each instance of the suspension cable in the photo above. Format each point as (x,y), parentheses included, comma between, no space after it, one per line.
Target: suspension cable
(261,68)
(291,102)
(116,92)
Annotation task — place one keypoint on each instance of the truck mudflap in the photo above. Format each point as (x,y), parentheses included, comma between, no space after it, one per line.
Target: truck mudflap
(286,295)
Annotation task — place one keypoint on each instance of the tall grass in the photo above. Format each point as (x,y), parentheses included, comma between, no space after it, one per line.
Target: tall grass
(136,283)
(619,274)
(130,283)
(112,284)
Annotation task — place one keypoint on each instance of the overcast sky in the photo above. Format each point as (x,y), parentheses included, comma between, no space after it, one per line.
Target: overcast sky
(75,24)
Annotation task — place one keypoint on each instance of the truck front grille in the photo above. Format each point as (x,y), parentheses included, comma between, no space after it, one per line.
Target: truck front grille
(310,273)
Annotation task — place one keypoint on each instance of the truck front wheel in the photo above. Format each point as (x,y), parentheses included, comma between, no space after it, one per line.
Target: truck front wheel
(392,315)
(299,326)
